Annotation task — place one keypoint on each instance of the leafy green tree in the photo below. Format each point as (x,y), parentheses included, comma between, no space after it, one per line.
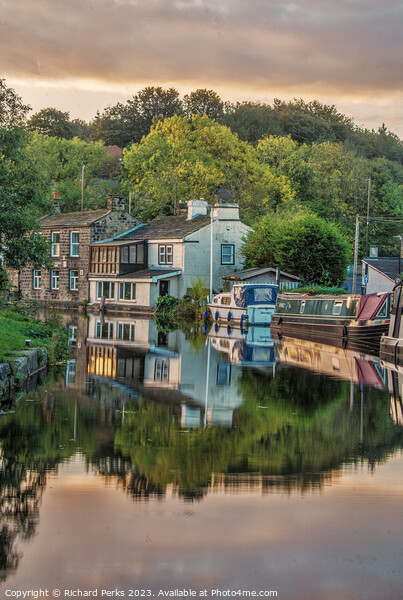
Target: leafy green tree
(204,102)
(60,162)
(56,123)
(301,243)
(21,190)
(182,159)
(251,121)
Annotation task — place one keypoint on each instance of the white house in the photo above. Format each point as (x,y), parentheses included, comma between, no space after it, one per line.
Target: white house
(379,274)
(166,256)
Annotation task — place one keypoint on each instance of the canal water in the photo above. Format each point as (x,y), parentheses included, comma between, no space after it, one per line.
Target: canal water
(203,465)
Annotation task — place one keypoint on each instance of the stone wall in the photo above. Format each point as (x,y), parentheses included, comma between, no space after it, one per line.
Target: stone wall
(22,372)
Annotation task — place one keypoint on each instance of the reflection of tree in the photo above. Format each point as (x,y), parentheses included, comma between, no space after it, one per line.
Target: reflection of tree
(290,433)
(33,441)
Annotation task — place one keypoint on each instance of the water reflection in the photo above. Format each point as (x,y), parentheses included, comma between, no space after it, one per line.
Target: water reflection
(186,416)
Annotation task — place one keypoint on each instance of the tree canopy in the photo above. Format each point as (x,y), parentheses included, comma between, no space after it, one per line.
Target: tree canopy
(182,159)
(301,243)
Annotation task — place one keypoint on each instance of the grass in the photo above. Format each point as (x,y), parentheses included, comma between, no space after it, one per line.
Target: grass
(16,327)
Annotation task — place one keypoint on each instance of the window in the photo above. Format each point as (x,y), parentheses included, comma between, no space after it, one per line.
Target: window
(72,335)
(124,254)
(227,254)
(302,307)
(337,306)
(74,243)
(106,289)
(127,291)
(36,280)
(74,280)
(161,372)
(133,255)
(165,255)
(55,248)
(223,374)
(104,331)
(54,280)
(126,331)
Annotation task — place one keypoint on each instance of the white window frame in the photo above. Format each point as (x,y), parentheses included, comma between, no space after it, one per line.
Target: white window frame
(165,254)
(73,279)
(225,258)
(55,279)
(98,330)
(74,245)
(100,289)
(122,285)
(36,279)
(120,331)
(161,369)
(55,245)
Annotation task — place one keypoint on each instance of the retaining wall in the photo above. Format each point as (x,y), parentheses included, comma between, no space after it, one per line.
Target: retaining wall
(21,373)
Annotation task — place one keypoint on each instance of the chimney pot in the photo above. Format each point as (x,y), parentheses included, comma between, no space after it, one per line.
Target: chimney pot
(57,203)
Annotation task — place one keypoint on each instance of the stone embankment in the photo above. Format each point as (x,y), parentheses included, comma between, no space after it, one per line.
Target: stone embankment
(21,373)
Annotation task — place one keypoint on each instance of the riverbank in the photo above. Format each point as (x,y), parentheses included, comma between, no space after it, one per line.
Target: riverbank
(27,346)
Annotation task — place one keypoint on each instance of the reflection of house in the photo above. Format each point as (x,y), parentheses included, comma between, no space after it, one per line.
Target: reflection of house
(264,275)
(165,256)
(379,274)
(69,235)
(164,367)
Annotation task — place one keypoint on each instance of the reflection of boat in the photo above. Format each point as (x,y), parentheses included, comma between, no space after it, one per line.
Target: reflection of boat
(392,343)
(350,319)
(246,303)
(342,363)
(253,347)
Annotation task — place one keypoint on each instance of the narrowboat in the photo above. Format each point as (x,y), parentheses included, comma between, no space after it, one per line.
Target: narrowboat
(340,320)
(392,343)
(245,304)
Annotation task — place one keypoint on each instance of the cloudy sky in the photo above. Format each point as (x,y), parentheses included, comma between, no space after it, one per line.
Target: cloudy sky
(83,55)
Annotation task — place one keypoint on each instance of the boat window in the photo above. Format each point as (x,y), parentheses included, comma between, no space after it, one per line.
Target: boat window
(302,307)
(226,300)
(383,312)
(215,300)
(337,308)
(249,295)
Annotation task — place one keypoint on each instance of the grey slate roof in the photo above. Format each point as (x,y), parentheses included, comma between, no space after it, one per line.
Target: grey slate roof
(388,266)
(74,219)
(246,274)
(167,227)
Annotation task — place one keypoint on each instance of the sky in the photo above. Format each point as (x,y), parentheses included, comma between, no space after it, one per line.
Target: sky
(81,56)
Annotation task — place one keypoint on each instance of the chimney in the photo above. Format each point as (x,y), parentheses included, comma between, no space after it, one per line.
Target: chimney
(196,208)
(116,203)
(57,203)
(226,212)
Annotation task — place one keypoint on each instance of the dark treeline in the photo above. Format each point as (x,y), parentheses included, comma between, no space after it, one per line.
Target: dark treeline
(306,122)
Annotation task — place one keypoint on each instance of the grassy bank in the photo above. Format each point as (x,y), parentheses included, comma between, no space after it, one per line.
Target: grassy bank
(18,323)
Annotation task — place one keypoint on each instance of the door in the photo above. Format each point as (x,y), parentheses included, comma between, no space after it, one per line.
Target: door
(164,287)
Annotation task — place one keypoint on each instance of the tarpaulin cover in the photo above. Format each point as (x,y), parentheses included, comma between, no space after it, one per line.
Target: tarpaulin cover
(367,373)
(369,305)
(249,295)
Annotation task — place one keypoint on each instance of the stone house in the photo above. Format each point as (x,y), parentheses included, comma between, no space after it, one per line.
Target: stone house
(70,236)
(166,256)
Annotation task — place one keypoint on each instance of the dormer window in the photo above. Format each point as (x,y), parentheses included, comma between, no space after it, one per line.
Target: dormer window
(74,244)
(55,248)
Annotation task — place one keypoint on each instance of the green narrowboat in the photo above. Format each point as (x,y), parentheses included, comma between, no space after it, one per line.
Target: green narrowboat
(339,320)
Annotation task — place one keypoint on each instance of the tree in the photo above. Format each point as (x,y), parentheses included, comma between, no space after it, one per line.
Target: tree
(252,120)
(204,102)
(60,162)
(182,159)
(301,243)
(52,122)
(21,190)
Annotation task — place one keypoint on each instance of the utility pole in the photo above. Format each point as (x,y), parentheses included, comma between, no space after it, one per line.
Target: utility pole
(82,187)
(357,233)
(369,198)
